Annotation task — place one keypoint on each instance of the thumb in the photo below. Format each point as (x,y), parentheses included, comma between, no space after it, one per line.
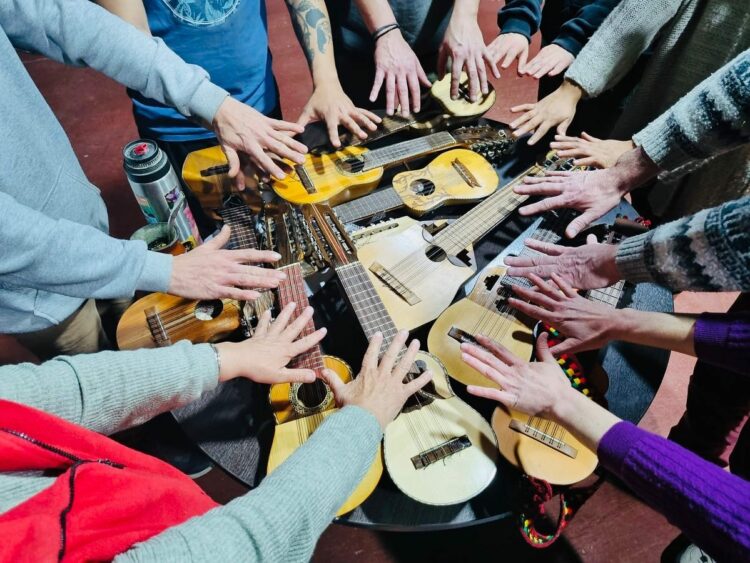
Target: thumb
(304,117)
(542,349)
(580,223)
(588,137)
(338,387)
(233,159)
(220,240)
(566,346)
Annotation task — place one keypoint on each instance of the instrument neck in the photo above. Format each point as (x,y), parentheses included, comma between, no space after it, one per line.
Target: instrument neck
(480,220)
(407,150)
(240,220)
(292,289)
(389,125)
(361,208)
(610,295)
(366,303)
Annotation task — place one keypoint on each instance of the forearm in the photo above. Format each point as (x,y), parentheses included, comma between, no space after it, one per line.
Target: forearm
(283,518)
(132,11)
(632,26)
(710,119)
(706,251)
(710,505)
(313,29)
(110,391)
(375,13)
(105,267)
(575,33)
(658,330)
(580,415)
(80,33)
(520,16)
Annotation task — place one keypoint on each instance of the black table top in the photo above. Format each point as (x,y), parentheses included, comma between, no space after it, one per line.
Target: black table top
(234,425)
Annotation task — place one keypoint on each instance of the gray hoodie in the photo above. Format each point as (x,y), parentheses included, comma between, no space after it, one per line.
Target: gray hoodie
(54,247)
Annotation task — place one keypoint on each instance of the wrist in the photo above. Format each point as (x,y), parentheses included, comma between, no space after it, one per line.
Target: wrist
(463,9)
(571,90)
(224,352)
(564,408)
(633,169)
(624,323)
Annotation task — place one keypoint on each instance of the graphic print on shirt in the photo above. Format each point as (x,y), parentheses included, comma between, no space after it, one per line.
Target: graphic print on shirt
(202,12)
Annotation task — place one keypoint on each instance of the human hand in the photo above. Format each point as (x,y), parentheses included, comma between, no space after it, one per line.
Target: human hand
(590,151)
(211,272)
(586,324)
(399,69)
(247,136)
(464,46)
(263,357)
(535,388)
(558,109)
(589,266)
(550,60)
(508,47)
(380,387)
(330,104)
(592,192)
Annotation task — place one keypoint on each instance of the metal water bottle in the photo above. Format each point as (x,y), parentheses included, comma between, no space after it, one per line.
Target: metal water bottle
(157,189)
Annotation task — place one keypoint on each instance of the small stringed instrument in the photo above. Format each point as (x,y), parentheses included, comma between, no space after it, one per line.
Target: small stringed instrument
(354,171)
(161,319)
(456,176)
(438,450)
(535,445)
(300,408)
(205,171)
(417,274)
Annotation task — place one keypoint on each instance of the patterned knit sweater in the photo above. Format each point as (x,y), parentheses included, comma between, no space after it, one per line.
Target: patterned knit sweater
(708,251)
(689,40)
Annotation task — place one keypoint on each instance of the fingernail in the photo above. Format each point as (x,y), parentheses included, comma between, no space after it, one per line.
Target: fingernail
(292,304)
(324,330)
(378,333)
(282,275)
(276,256)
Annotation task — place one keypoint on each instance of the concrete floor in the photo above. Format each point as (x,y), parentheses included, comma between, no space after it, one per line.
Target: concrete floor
(612,526)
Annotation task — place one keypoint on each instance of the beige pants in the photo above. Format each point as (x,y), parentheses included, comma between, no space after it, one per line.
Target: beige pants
(80,333)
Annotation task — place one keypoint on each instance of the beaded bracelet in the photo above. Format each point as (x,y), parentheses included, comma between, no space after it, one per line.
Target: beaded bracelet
(379,32)
(218,357)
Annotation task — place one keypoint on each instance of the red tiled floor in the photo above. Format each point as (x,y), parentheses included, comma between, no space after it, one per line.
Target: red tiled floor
(612,526)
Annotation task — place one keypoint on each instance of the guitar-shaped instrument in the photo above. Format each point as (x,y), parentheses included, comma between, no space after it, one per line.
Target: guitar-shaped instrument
(300,408)
(438,450)
(355,171)
(161,319)
(205,171)
(456,176)
(417,274)
(537,446)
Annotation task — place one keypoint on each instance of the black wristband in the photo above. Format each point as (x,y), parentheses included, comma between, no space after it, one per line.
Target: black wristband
(379,32)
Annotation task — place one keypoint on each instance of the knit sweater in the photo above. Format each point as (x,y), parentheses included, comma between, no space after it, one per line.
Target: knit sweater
(723,340)
(710,505)
(708,251)
(279,521)
(525,16)
(689,40)
(54,250)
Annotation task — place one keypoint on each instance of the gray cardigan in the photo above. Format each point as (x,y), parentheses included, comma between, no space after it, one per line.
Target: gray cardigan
(54,250)
(281,520)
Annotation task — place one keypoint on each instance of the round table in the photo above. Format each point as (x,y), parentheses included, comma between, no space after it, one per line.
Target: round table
(234,426)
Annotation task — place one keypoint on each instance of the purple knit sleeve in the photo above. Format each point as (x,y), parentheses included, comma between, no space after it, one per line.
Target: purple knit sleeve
(711,506)
(723,339)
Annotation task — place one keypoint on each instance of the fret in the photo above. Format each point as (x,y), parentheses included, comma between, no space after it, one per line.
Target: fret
(292,289)
(380,201)
(405,150)
(240,219)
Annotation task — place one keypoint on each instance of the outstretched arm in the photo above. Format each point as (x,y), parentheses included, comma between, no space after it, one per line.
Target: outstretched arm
(328,101)
(710,505)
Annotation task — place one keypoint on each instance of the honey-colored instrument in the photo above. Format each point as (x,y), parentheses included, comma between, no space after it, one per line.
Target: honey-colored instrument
(417,274)
(456,176)
(539,447)
(161,319)
(355,171)
(300,408)
(438,450)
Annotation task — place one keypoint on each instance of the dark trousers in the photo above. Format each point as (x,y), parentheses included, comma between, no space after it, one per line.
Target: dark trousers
(718,403)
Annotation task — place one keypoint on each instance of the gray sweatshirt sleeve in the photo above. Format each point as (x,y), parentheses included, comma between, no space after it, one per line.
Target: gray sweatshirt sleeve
(79,32)
(42,259)
(283,518)
(714,117)
(708,251)
(110,391)
(631,27)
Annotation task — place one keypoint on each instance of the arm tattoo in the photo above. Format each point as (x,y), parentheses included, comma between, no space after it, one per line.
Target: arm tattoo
(311,26)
